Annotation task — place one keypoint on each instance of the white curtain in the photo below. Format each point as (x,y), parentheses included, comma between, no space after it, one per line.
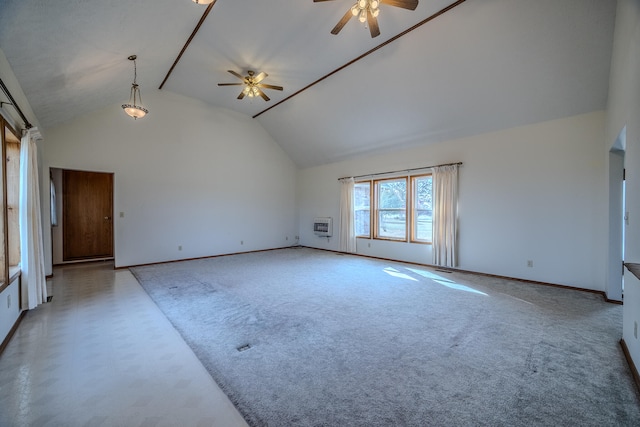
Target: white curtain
(34,286)
(347,216)
(445,215)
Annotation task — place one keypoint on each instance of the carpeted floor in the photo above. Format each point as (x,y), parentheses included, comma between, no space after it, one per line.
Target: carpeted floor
(300,337)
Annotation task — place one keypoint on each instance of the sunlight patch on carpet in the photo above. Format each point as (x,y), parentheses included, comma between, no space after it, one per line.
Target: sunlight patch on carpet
(395,273)
(446,282)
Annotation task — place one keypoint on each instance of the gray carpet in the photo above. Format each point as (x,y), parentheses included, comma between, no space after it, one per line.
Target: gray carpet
(300,337)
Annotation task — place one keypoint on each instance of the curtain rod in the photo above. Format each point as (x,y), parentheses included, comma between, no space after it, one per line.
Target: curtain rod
(403,170)
(15,105)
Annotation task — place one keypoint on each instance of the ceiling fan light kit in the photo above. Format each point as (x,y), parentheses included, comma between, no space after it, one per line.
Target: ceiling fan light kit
(362,7)
(367,12)
(252,84)
(134,108)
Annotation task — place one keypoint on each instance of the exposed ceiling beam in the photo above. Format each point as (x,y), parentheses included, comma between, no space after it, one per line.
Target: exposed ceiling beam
(381,45)
(184,48)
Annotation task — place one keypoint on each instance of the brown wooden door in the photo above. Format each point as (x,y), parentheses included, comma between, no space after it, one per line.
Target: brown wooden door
(87,211)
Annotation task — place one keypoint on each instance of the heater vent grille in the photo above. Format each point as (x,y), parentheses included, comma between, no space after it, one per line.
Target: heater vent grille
(322,227)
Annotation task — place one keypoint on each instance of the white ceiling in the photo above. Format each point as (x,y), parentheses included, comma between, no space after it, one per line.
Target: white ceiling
(484,65)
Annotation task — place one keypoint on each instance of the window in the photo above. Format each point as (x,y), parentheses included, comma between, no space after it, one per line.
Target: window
(398,209)
(362,208)
(391,209)
(12,154)
(9,215)
(421,209)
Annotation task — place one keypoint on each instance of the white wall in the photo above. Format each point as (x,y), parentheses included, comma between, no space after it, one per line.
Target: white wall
(624,110)
(530,193)
(9,308)
(186,175)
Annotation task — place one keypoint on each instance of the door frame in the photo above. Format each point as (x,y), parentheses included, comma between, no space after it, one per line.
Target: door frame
(57,232)
(615,250)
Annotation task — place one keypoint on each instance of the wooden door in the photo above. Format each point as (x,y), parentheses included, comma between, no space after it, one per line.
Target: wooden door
(87,212)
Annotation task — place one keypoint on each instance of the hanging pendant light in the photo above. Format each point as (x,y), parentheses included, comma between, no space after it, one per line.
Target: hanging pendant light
(203,1)
(134,108)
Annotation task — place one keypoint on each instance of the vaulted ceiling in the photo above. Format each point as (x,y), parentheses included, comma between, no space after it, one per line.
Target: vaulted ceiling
(481,66)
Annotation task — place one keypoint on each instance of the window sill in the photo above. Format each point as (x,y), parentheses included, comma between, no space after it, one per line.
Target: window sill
(14,272)
(386,239)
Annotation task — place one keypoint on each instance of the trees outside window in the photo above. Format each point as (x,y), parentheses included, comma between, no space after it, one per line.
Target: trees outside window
(391,209)
(362,207)
(421,209)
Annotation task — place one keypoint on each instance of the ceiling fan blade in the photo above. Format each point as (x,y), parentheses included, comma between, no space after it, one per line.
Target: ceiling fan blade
(342,22)
(405,4)
(373,25)
(241,95)
(236,74)
(260,77)
(263,95)
(230,84)
(266,86)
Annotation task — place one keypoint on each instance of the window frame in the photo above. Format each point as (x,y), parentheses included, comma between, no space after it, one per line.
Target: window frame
(414,215)
(365,236)
(376,209)
(410,209)
(9,238)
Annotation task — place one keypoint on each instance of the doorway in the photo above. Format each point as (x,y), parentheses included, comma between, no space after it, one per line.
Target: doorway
(617,219)
(84,209)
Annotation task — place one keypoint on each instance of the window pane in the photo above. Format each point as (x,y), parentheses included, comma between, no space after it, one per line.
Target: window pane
(392,209)
(7,135)
(422,208)
(362,202)
(13,199)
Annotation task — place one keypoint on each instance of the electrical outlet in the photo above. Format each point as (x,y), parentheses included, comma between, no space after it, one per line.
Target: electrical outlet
(286,238)
(635,330)
(530,263)
(180,247)
(242,242)
(368,245)
(9,302)
(121,214)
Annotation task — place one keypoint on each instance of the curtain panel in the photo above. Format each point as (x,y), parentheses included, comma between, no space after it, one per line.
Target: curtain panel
(445,215)
(34,285)
(347,216)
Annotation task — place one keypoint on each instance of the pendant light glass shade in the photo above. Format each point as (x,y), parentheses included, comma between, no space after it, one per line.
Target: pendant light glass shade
(134,108)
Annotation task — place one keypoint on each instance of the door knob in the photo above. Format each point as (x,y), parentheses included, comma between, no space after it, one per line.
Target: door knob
(107,217)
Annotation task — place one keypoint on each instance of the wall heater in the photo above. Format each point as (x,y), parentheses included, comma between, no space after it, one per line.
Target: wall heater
(322,227)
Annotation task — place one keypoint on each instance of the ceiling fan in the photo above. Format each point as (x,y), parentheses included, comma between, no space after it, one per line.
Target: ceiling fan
(367,11)
(252,85)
